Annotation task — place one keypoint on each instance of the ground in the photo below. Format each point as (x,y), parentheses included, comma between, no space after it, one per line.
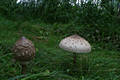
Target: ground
(51,62)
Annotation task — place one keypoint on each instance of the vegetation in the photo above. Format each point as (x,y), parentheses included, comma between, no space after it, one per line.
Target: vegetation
(49,21)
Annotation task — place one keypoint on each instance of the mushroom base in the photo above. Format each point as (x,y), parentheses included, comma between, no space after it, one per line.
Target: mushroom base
(24,68)
(74,58)
(80,64)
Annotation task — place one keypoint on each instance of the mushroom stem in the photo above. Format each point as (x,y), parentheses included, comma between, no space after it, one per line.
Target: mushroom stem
(74,58)
(24,67)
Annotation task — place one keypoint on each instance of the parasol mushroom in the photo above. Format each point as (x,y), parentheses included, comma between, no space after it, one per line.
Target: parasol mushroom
(24,51)
(75,44)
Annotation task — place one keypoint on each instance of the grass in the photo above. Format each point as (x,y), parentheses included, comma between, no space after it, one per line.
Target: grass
(51,62)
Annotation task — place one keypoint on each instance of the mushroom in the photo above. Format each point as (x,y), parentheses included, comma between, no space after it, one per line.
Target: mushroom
(24,51)
(75,44)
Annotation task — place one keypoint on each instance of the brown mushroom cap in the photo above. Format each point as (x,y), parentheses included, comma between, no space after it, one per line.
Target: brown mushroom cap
(23,50)
(75,44)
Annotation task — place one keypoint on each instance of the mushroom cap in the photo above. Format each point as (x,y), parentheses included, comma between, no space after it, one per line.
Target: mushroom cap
(75,44)
(23,50)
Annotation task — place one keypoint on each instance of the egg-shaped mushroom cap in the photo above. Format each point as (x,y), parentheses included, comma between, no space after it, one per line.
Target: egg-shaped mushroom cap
(75,44)
(23,50)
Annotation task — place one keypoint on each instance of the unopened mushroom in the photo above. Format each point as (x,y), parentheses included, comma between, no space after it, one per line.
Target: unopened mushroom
(24,51)
(75,44)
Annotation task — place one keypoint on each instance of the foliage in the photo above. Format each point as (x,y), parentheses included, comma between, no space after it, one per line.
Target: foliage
(46,22)
(61,11)
(53,63)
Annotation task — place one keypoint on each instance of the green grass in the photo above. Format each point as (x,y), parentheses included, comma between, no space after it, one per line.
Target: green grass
(51,62)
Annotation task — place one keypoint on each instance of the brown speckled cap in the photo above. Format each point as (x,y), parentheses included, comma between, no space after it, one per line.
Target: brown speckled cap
(75,44)
(23,50)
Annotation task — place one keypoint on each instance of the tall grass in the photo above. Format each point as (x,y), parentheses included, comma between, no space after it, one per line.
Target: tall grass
(59,11)
(97,22)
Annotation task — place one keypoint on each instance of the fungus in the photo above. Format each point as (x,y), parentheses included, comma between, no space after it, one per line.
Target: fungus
(75,44)
(24,51)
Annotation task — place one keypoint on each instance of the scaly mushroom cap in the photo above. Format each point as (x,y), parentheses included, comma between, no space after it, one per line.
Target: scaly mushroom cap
(24,50)
(75,44)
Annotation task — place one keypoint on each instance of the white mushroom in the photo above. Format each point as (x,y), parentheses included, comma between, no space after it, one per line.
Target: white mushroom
(75,44)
